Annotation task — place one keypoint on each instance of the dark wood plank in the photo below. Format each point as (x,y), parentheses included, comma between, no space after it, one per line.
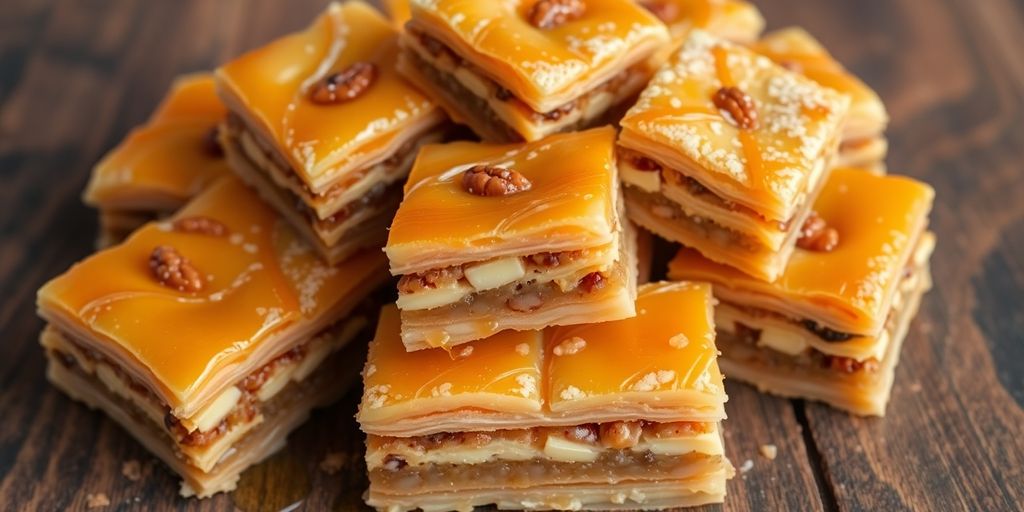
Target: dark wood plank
(74,77)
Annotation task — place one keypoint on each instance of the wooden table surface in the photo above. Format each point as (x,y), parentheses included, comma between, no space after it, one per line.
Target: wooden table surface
(76,75)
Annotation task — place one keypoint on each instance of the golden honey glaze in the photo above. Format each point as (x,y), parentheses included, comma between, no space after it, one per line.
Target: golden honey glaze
(259,278)
(270,88)
(664,356)
(544,67)
(878,218)
(767,168)
(798,50)
(569,205)
(169,159)
(736,20)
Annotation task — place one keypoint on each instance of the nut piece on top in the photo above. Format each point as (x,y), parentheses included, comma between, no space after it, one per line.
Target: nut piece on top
(830,328)
(725,152)
(325,129)
(621,414)
(523,69)
(162,164)
(736,20)
(492,237)
(209,336)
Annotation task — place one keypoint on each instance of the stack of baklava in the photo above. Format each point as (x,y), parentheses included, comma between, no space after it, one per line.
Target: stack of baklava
(615,415)
(162,164)
(211,334)
(521,365)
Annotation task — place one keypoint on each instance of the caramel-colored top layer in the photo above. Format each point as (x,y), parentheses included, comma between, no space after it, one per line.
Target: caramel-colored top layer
(736,20)
(570,204)
(260,285)
(765,167)
(849,289)
(398,12)
(271,89)
(795,48)
(544,67)
(163,163)
(659,364)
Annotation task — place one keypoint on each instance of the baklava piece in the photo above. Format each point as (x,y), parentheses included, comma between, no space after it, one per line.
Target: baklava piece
(209,336)
(863,143)
(616,415)
(325,129)
(161,164)
(492,237)
(725,152)
(523,69)
(735,20)
(830,328)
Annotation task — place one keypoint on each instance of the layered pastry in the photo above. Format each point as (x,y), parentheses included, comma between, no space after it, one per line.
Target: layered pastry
(863,143)
(325,129)
(830,328)
(520,70)
(725,152)
(398,12)
(161,164)
(735,20)
(616,415)
(209,336)
(492,237)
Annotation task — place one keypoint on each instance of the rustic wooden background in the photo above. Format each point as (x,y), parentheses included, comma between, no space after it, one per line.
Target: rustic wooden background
(76,75)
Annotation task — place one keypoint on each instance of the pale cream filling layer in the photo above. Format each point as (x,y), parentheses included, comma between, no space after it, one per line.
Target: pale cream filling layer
(552,447)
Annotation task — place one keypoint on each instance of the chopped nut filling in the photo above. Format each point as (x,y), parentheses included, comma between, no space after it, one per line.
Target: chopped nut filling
(200,225)
(546,14)
(525,303)
(621,434)
(174,270)
(816,235)
(345,85)
(592,282)
(738,105)
(491,180)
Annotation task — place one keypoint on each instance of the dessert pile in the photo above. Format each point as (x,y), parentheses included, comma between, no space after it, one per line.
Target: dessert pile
(454,205)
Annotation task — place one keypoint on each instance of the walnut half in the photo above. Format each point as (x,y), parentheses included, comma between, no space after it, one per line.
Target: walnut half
(816,235)
(174,270)
(739,105)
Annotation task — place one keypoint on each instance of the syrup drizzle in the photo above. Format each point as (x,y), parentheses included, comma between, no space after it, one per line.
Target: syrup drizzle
(751,149)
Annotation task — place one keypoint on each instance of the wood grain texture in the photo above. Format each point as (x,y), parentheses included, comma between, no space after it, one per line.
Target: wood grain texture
(76,76)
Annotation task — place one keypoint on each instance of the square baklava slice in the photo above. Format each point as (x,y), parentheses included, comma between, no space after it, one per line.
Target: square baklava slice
(830,328)
(325,129)
(162,164)
(519,236)
(725,152)
(615,415)
(736,20)
(523,69)
(863,143)
(211,335)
